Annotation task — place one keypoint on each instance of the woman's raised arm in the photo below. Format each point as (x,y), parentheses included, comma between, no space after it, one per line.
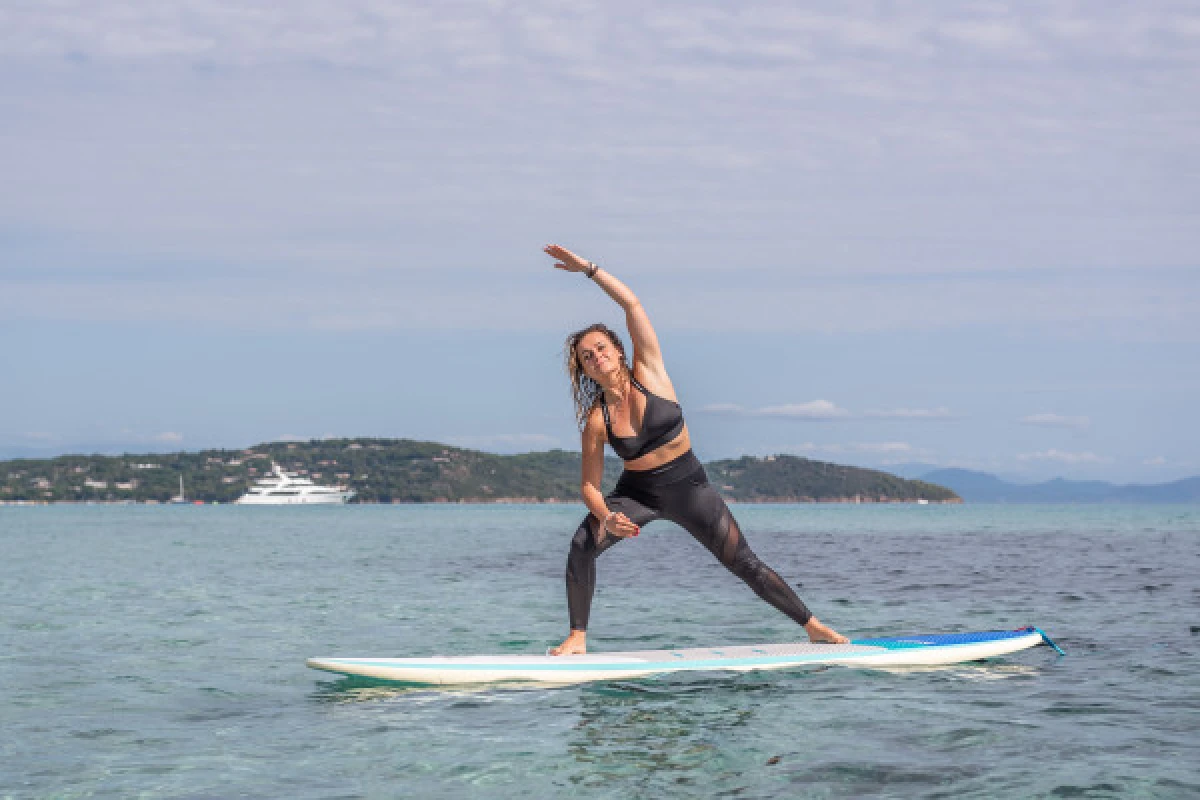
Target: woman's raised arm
(645,342)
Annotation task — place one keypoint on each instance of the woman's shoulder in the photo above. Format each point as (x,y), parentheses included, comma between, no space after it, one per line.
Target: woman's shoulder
(594,427)
(656,380)
(595,416)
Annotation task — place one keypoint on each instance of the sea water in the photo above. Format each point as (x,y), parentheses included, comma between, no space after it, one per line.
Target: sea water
(159,652)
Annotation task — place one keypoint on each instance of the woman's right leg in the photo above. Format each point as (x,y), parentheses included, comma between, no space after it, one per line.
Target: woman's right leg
(587,544)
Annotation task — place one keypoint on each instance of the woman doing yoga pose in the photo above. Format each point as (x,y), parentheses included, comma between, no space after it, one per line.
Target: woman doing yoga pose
(633,408)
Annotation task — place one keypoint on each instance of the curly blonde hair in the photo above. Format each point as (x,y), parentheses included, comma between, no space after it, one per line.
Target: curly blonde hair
(585,391)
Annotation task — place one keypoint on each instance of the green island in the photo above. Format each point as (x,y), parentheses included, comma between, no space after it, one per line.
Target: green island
(407,471)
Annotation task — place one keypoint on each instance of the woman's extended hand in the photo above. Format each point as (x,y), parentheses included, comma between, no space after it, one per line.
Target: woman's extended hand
(620,525)
(566,259)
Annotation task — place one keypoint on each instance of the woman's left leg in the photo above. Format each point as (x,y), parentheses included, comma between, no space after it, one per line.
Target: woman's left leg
(701,510)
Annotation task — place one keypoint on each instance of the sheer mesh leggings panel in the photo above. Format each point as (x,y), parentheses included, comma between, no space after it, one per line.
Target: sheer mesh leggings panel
(725,541)
(699,509)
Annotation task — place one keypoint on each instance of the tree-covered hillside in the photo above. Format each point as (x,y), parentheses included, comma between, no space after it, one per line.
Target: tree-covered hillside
(794,479)
(406,471)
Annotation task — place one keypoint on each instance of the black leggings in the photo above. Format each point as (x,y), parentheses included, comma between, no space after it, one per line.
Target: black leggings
(678,491)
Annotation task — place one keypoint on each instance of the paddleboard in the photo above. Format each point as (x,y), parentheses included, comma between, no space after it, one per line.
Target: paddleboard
(906,651)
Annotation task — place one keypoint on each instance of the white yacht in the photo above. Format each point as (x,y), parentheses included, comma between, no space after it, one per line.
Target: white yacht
(286,488)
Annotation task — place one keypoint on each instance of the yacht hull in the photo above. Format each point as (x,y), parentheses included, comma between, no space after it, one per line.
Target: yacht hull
(296,500)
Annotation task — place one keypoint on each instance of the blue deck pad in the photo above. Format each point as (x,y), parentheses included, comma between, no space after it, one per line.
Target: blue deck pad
(936,639)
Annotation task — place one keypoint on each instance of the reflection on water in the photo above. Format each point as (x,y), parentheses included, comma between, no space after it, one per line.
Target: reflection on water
(676,730)
(978,671)
(352,689)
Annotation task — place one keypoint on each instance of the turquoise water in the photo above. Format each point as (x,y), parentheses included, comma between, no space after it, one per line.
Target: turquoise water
(159,652)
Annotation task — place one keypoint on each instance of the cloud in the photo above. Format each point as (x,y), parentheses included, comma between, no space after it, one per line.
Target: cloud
(815,409)
(878,448)
(301,169)
(1010,37)
(883,447)
(722,408)
(912,413)
(1056,421)
(825,410)
(1156,461)
(1148,306)
(166,437)
(709,37)
(1062,457)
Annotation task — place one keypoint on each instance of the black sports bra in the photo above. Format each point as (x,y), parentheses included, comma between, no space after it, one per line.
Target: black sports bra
(661,422)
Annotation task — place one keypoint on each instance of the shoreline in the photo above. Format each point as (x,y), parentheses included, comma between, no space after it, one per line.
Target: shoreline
(498,501)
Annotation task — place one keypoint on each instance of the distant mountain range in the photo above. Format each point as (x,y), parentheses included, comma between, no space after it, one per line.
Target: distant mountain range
(981,487)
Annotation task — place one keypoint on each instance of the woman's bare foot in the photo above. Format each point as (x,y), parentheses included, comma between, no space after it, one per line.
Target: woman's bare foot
(820,632)
(575,644)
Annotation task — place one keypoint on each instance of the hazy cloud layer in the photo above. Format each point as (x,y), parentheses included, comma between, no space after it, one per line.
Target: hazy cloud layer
(1051,420)
(1064,457)
(948,175)
(912,413)
(507,442)
(817,409)
(1007,164)
(813,409)
(483,34)
(825,410)
(1110,306)
(857,448)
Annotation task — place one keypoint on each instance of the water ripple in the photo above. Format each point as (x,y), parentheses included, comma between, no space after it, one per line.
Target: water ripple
(159,652)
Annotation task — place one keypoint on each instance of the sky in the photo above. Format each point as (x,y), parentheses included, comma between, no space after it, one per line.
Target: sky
(877,233)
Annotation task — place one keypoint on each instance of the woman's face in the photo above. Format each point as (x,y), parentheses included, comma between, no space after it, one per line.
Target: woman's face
(598,356)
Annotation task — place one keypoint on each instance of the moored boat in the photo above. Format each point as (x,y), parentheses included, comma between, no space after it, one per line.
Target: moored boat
(282,488)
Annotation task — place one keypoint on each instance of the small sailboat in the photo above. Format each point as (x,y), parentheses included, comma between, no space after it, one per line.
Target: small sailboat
(180,499)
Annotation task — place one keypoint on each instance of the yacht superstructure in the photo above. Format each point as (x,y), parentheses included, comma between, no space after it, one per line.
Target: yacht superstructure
(282,488)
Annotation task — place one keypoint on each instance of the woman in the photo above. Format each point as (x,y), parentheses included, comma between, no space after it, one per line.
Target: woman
(634,409)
